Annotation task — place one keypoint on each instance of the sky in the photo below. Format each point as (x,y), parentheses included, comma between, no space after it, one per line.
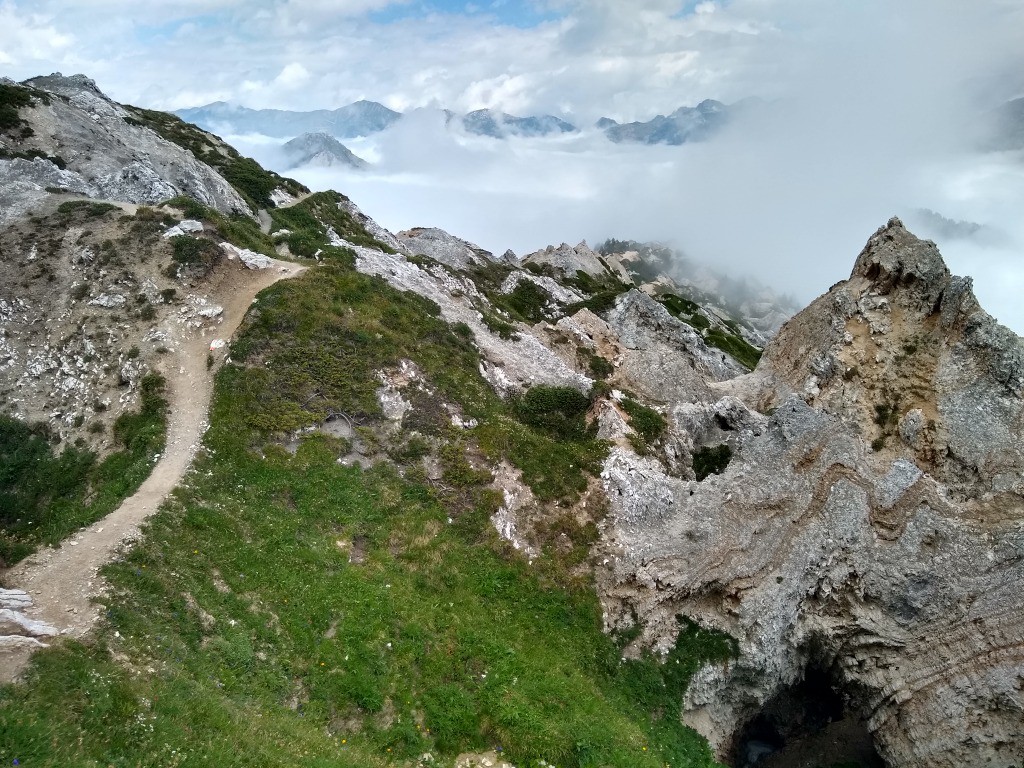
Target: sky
(874,109)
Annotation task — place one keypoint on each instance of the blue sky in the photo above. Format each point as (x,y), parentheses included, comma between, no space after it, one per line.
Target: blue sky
(507,12)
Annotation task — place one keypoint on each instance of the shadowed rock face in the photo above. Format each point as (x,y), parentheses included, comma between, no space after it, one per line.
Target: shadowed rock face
(871,525)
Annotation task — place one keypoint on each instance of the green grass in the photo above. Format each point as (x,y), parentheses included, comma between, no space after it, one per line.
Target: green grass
(309,219)
(45,496)
(437,641)
(744,353)
(237,229)
(247,633)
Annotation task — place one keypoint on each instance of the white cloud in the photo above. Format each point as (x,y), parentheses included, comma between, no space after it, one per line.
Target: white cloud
(874,100)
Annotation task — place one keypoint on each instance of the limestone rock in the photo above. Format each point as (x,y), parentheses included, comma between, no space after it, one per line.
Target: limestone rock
(186,227)
(15,623)
(107,156)
(895,564)
(569,260)
(451,251)
(250,259)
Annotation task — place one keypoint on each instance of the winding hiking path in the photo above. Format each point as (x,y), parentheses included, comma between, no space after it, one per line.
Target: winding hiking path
(61,582)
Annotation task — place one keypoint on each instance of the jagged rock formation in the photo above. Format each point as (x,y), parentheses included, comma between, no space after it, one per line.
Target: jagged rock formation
(439,245)
(662,357)
(568,260)
(321,150)
(86,144)
(895,570)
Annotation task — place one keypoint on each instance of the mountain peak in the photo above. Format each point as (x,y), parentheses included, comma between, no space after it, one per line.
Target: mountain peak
(894,257)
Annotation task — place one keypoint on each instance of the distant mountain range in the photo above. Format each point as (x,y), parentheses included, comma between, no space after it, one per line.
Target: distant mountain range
(361,118)
(364,118)
(685,124)
(489,122)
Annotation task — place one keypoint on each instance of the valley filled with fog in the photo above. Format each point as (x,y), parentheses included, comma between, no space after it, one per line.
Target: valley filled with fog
(778,196)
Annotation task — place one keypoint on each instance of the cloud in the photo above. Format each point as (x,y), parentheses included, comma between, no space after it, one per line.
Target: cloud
(871,109)
(871,112)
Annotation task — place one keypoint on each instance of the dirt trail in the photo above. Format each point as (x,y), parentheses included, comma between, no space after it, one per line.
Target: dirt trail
(62,581)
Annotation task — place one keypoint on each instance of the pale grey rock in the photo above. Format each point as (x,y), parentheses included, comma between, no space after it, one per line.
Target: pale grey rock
(106,156)
(379,233)
(250,259)
(14,623)
(559,293)
(898,567)
(186,227)
(509,365)
(663,358)
(569,260)
(15,643)
(108,301)
(14,599)
(451,251)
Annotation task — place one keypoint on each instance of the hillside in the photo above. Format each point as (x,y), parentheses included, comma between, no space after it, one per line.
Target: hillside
(453,508)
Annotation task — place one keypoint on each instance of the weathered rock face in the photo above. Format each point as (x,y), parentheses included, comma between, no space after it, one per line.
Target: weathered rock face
(107,157)
(451,251)
(569,260)
(896,564)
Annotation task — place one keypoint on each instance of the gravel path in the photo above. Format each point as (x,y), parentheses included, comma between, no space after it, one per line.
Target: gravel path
(61,582)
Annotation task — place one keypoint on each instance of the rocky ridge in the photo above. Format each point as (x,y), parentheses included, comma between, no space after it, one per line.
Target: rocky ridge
(887,567)
(849,510)
(86,144)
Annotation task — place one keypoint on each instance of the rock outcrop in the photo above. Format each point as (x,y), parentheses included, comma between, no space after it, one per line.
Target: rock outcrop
(567,260)
(451,251)
(91,146)
(871,527)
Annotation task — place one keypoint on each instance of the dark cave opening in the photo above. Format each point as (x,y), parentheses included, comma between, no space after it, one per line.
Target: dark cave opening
(808,725)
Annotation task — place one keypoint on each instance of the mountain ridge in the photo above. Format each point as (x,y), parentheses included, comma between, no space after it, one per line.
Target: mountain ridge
(487,508)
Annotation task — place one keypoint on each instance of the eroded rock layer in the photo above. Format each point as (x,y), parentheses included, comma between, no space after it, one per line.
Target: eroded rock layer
(870,524)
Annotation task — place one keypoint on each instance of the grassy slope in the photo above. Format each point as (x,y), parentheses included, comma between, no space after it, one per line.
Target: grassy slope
(244,636)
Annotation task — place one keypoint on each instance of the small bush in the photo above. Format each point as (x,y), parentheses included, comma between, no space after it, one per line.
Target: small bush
(599,367)
(558,411)
(194,250)
(499,327)
(711,461)
(645,421)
